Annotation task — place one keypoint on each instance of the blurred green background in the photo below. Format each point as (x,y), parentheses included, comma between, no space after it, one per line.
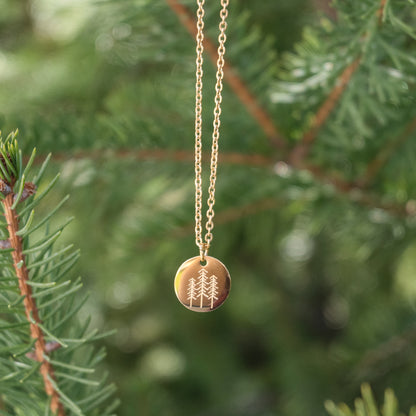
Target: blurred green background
(324,290)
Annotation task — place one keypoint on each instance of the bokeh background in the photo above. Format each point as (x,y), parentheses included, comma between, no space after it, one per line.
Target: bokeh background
(324,289)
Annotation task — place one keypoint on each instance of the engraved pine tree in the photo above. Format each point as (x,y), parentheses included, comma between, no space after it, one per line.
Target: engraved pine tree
(192,291)
(202,286)
(213,289)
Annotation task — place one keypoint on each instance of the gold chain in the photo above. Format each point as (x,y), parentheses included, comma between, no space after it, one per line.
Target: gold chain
(204,242)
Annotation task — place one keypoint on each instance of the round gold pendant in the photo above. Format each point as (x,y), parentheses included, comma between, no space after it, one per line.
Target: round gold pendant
(202,287)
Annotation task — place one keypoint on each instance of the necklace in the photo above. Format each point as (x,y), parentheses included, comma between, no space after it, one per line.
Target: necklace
(202,283)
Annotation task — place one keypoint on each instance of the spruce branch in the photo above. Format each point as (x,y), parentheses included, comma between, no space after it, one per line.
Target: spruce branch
(359,195)
(235,213)
(381,11)
(301,150)
(239,87)
(9,173)
(39,308)
(389,353)
(354,191)
(366,405)
(223,217)
(162,154)
(298,155)
(384,155)
(326,7)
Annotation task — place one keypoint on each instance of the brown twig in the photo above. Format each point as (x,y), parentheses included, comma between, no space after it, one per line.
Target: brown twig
(236,213)
(230,75)
(350,190)
(392,348)
(233,214)
(360,196)
(223,217)
(380,11)
(326,7)
(374,167)
(31,310)
(232,158)
(300,151)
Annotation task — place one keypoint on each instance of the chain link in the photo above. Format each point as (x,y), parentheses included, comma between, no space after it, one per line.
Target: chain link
(204,242)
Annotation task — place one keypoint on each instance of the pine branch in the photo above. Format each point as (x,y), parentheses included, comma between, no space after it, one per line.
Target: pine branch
(236,213)
(358,195)
(300,151)
(393,347)
(232,158)
(298,155)
(239,87)
(385,153)
(12,175)
(223,217)
(354,191)
(350,190)
(29,302)
(380,11)
(367,406)
(326,7)
(35,297)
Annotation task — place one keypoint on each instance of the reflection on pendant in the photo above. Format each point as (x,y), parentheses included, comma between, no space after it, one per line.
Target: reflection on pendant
(202,287)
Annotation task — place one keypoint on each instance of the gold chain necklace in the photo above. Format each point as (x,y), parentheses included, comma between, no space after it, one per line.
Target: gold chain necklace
(202,283)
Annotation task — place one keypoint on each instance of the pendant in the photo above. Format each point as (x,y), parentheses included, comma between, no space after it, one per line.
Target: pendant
(202,287)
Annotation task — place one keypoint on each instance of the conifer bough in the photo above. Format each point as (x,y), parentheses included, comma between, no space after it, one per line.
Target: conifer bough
(38,309)
(11,174)
(367,406)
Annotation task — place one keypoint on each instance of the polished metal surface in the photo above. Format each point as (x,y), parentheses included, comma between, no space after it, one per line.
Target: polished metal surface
(202,287)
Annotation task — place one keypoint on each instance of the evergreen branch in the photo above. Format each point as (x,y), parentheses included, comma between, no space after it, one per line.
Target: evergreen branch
(98,397)
(300,151)
(31,310)
(248,210)
(367,405)
(392,349)
(344,188)
(385,153)
(380,11)
(358,195)
(43,305)
(240,89)
(223,217)
(326,7)
(353,191)
(232,158)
